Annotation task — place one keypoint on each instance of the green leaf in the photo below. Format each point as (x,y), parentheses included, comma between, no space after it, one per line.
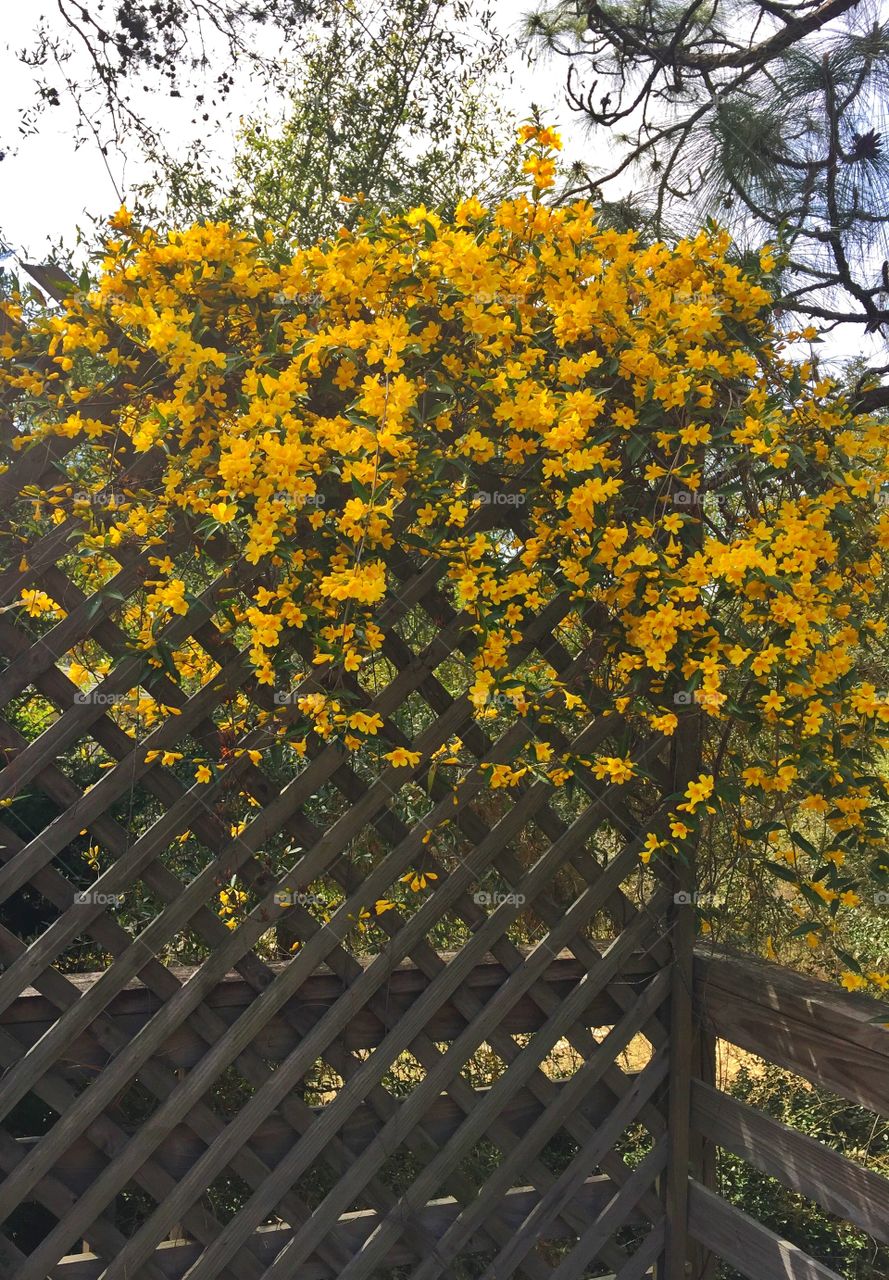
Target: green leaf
(849,960)
(784,873)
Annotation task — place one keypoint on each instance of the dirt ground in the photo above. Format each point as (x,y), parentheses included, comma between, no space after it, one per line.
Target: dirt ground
(564,1060)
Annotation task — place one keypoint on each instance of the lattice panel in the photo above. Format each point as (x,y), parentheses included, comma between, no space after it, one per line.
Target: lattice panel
(342,1075)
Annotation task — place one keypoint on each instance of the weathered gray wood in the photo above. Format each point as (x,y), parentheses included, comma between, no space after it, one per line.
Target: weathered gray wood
(254,1016)
(352,1230)
(446,982)
(585,1079)
(757,1252)
(473,1127)
(645,1257)
(571,1177)
(198,1081)
(79,1166)
(835,1182)
(31,1015)
(829,1036)
(614,1215)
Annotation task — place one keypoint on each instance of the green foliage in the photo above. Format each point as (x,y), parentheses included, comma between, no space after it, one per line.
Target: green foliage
(398,105)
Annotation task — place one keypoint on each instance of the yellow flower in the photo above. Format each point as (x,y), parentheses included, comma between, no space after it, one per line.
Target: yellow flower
(202,774)
(652,844)
(402,758)
(416,880)
(665,724)
(617,769)
(772,702)
(224,512)
(364,723)
(37,603)
(852,981)
(697,792)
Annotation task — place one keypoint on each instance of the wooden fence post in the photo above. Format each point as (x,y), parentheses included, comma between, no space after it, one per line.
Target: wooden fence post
(702,1151)
(676,1261)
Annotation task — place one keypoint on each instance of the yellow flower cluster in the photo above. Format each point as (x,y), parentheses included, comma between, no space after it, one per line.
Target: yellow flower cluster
(532,403)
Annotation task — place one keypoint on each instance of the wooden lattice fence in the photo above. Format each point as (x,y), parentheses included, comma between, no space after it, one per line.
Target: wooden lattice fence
(343,1115)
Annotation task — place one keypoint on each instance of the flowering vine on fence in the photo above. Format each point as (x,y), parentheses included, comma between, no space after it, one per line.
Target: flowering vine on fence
(534,403)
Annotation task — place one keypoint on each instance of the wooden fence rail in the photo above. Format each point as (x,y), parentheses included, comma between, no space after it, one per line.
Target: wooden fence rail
(834,1041)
